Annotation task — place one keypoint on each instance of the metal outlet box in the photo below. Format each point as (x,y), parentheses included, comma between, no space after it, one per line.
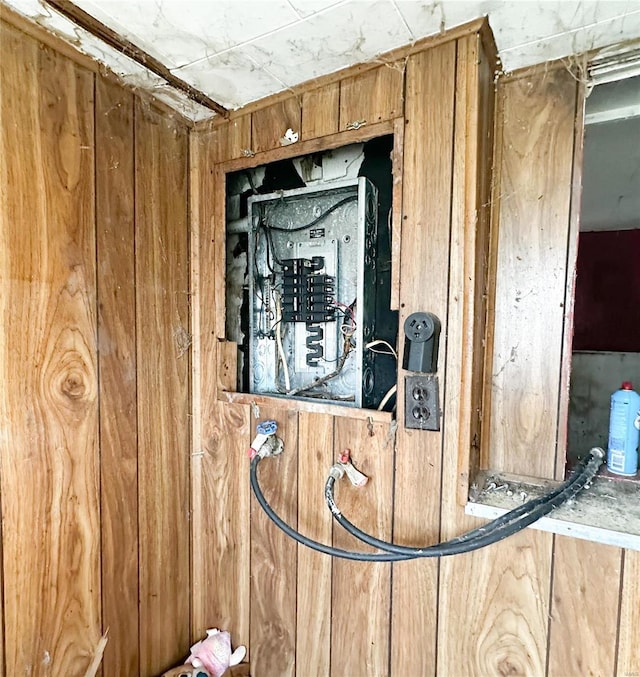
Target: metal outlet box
(312,282)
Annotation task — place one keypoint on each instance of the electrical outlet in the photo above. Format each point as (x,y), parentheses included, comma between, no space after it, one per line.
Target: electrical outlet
(421,409)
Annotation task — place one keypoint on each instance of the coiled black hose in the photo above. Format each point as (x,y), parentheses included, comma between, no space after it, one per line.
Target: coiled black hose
(492,532)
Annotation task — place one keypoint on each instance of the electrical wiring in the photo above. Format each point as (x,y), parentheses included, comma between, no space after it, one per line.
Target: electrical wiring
(327,377)
(271,250)
(317,220)
(492,532)
(377,342)
(388,395)
(283,357)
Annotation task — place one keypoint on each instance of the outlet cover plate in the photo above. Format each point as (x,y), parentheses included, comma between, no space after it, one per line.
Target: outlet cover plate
(421,407)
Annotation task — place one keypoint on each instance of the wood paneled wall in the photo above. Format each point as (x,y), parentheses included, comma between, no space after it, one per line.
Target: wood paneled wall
(534,604)
(94,303)
(112,288)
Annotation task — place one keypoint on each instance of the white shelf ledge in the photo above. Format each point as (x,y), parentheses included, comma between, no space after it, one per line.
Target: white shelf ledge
(608,512)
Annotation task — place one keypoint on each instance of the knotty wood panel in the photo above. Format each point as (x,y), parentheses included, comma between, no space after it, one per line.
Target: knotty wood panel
(274,556)
(320,111)
(513,623)
(536,134)
(361,594)
(628,658)
(584,609)
(423,286)
(511,571)
(373,96)
(313,626)
(162,327)
(49,408)
(494,606)
(117,367)
(270,124)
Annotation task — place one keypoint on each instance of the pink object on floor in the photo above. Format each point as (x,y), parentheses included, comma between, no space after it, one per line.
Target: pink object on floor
(214,653)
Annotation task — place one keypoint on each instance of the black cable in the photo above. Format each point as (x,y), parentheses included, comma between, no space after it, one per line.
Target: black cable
(304,540)
(337,205)
(492,532)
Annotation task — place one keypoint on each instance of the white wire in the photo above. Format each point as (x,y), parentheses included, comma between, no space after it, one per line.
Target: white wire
(283,359)
(387,397)
(378,342)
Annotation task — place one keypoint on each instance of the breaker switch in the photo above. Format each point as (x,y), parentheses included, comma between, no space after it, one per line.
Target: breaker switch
(307,294)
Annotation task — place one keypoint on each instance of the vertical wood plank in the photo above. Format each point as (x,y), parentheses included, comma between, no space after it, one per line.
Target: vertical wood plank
(202,357)
(535,193)
(162,327)
(396,211)
(269,124)
(219,466)
(585,605)
(361,596)
(506,635)
(274,556)
(429,113)
(467,276)
(49,409)
(628,658)
(372,96)
(313,626)
(512,625)
(117,369)
(216,243)
(498,597)
(221,549)
(320,111)
(570,290)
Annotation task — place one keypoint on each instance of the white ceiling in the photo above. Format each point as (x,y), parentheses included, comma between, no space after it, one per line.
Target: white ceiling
(238,51)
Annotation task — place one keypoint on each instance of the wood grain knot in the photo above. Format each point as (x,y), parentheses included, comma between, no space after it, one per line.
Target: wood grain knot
(73,386)
(69,374)
(506,667)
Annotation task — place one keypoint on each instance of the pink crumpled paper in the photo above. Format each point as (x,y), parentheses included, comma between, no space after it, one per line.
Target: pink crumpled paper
(214,654)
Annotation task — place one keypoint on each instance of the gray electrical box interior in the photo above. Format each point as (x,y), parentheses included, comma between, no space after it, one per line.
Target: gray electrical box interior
(312,282)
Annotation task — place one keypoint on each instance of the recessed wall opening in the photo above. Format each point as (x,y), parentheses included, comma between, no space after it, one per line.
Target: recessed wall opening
(308,276)
(606,339)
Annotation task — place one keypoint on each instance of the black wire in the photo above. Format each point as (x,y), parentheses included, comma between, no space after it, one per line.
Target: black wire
(270,246)
(337,205)
(492,532)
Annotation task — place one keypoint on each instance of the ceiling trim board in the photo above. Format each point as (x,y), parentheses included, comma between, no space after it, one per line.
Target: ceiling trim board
(126,47)
(480,26)
(50,40)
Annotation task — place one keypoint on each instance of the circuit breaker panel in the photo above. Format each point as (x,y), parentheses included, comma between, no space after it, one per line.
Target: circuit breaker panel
(312,283)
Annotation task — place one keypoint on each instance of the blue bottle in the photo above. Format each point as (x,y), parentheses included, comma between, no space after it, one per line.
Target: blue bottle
(624,431)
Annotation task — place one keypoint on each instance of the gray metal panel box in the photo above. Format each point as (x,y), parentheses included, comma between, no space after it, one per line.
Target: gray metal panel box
(312,282)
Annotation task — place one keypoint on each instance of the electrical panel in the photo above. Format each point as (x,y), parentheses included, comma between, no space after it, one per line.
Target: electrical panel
(312,284)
